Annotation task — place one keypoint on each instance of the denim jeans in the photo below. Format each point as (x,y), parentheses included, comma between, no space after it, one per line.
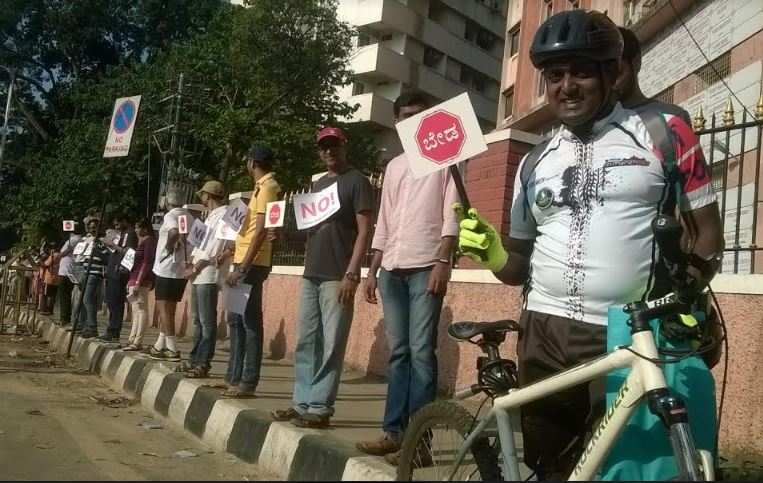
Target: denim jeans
(411,317)
(88,314)
(204,297)
(323,328)
(246,337)
(116,293)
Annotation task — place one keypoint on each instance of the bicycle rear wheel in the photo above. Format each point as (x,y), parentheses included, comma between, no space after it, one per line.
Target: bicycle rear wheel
(431,443)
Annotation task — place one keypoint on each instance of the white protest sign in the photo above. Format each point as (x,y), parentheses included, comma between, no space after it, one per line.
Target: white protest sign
(198,234)
(237,297)
(79,248)
(122,126)
(224,232)
(274,214)
(441,136)
(235,215)
(313,208)
(128,260)
(68,225)
(183,224)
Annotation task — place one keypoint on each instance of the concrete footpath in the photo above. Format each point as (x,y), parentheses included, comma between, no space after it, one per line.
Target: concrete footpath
(244,427)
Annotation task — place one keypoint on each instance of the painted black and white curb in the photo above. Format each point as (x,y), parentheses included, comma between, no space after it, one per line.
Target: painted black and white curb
(223,424)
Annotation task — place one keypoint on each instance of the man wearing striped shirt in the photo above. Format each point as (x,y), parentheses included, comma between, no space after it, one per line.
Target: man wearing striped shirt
(93,259)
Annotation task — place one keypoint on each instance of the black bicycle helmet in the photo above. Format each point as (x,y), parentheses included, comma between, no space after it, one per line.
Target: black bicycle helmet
(576,33)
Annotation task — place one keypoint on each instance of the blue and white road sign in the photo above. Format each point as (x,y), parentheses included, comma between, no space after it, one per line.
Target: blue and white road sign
(122,126)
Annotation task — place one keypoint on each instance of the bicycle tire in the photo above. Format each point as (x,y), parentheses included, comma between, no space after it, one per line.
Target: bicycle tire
(446,412)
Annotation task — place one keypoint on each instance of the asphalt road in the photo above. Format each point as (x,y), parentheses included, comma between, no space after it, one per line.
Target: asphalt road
(60,423)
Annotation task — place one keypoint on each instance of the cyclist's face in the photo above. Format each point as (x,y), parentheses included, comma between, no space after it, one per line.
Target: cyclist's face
(575,90)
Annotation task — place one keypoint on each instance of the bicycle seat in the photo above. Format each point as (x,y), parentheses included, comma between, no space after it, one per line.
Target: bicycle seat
(467,330)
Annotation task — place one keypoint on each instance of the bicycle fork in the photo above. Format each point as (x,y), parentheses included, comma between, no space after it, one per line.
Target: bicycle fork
(672,412)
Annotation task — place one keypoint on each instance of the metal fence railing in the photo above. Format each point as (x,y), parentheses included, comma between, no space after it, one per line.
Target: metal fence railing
(733,152)
(19,296)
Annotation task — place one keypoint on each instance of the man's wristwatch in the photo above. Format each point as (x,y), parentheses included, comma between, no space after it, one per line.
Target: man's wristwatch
(241,269)
(353,277)
(443,260)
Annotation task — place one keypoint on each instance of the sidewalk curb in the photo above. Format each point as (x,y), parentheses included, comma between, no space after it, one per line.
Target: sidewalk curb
(224,424)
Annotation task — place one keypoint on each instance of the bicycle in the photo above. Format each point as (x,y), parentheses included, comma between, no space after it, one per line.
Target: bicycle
(497,378)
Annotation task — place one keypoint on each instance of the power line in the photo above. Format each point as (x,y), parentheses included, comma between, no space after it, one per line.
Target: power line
(707,59)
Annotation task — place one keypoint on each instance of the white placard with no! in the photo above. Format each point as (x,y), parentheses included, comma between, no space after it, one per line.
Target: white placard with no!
(128,260)
(313,208)
(274,214)
(235,215)
(68,225)
(198,234)
(441,136)
(79,248)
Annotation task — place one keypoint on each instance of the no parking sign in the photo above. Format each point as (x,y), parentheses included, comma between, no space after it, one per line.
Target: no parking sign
(122,126)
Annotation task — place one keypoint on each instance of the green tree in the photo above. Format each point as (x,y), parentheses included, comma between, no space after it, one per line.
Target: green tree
(268,73)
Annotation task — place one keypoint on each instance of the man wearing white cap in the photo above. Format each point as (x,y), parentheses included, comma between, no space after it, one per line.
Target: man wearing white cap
(206,276)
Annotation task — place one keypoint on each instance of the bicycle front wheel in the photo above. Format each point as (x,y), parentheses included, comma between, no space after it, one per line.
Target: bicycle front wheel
(432,441)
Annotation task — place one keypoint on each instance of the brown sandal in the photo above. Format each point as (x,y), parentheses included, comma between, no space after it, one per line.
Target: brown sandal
(237,393)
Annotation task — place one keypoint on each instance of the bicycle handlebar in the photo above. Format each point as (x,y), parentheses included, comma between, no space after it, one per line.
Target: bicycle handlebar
(667,232)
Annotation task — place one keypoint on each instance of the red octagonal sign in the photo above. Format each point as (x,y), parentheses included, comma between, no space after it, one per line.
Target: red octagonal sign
(275,214)
(440,136)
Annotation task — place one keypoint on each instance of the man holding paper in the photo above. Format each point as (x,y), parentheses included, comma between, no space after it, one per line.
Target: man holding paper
(251,266)
(335,249)
(117,276)
(205,276)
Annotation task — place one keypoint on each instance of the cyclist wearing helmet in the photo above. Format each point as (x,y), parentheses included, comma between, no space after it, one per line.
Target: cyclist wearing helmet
(580,239)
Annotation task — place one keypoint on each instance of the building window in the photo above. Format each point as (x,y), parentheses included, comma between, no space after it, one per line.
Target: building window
(365,39)
(548,10)
(470,31)
(485,40)
(716,178)
(358,88)
(706,76)
(514,41)
(432,57)
(479,82)
(666,96)
(508,102)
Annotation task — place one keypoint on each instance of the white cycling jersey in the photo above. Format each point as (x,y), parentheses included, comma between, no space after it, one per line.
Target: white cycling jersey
(589,207)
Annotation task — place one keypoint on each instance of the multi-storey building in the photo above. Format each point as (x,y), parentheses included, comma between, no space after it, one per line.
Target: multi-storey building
(438,47)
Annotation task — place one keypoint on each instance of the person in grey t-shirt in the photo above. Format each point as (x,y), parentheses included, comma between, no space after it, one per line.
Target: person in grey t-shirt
(335,249)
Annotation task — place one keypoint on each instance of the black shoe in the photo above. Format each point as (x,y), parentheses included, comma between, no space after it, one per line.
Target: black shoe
(109,339)
(88,335)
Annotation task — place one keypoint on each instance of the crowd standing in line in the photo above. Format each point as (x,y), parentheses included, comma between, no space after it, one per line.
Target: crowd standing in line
(591,84)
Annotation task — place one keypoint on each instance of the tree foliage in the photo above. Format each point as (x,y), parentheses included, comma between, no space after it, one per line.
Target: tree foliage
(267,73)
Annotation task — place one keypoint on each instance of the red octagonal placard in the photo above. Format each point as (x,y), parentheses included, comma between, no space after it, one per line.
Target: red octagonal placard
(440,136)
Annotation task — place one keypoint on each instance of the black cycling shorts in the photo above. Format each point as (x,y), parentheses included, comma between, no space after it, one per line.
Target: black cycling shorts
(169,289)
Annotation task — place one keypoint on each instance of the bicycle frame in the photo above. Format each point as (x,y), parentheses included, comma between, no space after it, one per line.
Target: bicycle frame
(643,377)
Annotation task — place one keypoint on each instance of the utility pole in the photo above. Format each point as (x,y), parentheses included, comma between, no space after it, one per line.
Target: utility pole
(8,102)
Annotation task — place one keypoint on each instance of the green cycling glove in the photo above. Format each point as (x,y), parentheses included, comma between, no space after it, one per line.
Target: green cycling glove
(479,240)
